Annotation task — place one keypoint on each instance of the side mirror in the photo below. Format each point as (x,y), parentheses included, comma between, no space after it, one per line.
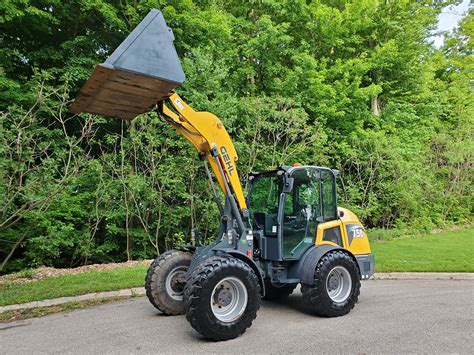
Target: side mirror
(288,186)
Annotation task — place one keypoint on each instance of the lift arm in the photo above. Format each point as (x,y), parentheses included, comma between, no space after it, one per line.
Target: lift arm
(212,141)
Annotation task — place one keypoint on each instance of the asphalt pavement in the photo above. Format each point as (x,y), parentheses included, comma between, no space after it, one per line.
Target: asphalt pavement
(403,316)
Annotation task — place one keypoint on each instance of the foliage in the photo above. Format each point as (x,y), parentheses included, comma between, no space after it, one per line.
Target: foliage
(355,85)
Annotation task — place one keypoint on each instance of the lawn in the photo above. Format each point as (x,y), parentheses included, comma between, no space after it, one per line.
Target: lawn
(451,251)
(72,285)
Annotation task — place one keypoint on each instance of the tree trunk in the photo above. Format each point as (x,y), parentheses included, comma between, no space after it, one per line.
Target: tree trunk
(375,104)
(10,254)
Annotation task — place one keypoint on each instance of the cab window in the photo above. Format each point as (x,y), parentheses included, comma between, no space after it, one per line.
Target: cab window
(329,196)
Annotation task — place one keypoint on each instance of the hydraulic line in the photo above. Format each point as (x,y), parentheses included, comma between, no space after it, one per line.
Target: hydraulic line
(211,182)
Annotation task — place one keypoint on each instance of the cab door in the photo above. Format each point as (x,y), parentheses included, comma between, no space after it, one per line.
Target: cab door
(330,229)
(301,213)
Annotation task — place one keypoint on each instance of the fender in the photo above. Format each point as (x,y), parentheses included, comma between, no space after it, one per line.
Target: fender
(185,247)
(311,258)
(249,262)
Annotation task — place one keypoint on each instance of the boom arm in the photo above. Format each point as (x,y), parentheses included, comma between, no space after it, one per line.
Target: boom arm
(208,135)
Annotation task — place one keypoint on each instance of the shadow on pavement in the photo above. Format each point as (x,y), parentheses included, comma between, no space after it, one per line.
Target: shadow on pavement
(293,302)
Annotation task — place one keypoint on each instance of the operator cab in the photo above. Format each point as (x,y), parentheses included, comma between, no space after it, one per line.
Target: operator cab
(286,206)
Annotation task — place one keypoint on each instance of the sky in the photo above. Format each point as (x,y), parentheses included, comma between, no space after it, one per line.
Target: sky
(449,18)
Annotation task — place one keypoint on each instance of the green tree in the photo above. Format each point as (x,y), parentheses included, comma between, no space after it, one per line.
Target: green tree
(355,85)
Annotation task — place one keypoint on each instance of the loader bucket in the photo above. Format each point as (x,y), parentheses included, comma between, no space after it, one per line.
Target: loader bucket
(143,70)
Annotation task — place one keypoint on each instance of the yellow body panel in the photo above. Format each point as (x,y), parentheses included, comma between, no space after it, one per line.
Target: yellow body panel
(205,131)
(320,232)
(358,245)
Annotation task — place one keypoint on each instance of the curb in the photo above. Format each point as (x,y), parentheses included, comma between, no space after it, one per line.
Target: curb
(136,291)
(460,276)
(140,291)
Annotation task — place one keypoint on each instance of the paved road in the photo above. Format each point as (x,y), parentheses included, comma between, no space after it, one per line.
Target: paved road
(391,317)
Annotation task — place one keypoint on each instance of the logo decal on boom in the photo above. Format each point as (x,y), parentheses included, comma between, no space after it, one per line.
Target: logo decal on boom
(227,160)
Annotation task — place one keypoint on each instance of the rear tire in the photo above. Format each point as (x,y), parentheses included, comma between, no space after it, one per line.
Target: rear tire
(336,285)
(222,297)
(275,291)
(164,282)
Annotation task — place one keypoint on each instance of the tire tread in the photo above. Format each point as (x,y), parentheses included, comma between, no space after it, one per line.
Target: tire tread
(316,296)
(154,273)
(194,301)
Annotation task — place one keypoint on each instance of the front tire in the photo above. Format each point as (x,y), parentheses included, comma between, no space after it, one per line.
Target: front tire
(222,297)
(164,282)
(336,286)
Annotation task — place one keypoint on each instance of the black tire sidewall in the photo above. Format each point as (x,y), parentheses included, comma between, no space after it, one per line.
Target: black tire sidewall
(156,281)
(204,319)
(318,295)
(252,295)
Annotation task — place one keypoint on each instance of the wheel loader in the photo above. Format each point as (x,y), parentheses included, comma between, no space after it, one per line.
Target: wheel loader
(287,230)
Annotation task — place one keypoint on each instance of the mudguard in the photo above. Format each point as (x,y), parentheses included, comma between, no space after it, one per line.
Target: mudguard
(251,263)
(203,253)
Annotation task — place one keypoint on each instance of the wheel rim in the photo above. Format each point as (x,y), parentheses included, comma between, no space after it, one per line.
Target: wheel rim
(339,284)
(175,283)
(229,299)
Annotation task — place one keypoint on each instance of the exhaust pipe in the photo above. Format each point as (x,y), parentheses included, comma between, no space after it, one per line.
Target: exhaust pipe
(143,70)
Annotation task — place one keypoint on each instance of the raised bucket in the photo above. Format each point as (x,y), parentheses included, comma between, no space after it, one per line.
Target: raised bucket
(143,70)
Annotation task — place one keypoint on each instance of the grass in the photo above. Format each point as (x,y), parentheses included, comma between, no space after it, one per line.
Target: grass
(451,251)
(73,285)
(382,235)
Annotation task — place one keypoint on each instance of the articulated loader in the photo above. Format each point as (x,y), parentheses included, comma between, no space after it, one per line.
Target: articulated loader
(288,230)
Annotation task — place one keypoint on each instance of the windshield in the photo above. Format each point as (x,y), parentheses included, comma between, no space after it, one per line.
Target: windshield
(263,202)
(265,193)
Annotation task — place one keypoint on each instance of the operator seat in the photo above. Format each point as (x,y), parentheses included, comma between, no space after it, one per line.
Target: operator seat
(266,222)
(259,220)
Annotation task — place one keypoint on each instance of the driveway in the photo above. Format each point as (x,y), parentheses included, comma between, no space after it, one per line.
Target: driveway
(391,317)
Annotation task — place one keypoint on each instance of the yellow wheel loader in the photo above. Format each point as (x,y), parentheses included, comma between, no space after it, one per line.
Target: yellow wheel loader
(288,230)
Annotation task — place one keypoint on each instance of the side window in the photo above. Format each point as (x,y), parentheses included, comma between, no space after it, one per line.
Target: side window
(333,235)
(289,207)
(329,196)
